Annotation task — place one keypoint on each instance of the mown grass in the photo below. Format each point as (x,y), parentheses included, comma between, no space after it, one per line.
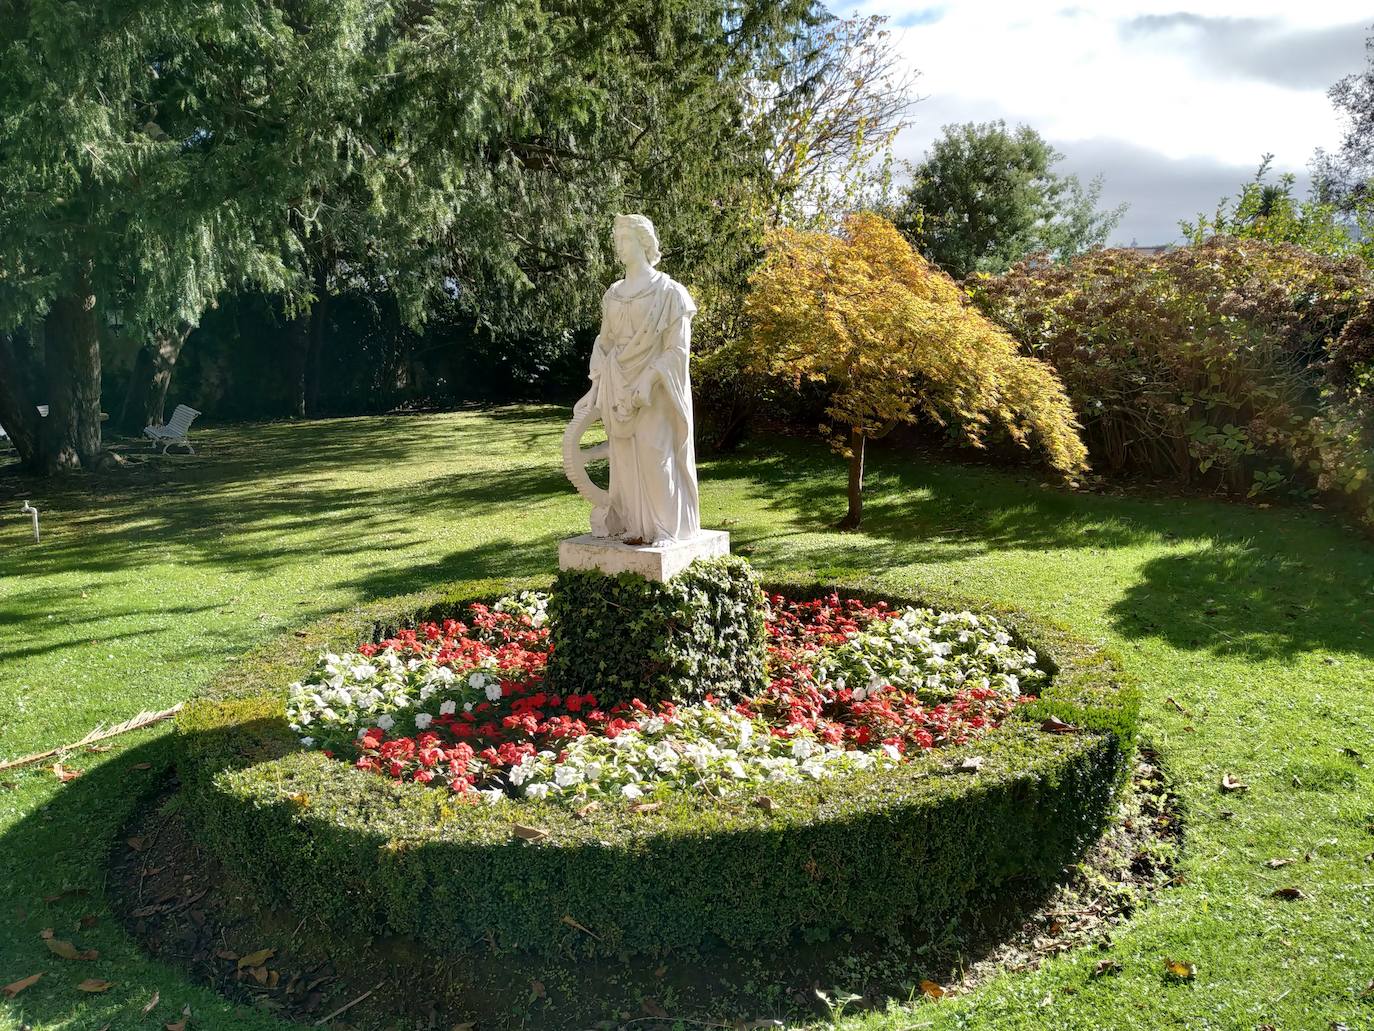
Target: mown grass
(1250,631)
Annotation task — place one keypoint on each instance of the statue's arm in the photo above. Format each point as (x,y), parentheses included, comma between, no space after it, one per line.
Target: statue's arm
(672,363)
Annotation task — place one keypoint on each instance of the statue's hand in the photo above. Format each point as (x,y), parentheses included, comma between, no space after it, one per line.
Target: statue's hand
(644,392)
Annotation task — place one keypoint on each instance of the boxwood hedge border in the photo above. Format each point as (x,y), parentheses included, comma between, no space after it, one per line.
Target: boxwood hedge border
(909,848)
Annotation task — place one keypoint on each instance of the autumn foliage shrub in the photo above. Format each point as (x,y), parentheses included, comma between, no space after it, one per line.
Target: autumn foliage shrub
(1239,364)
(892,339)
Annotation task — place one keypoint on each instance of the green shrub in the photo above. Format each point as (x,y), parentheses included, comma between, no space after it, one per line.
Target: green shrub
(912,846)
(1238,363)
(623,637)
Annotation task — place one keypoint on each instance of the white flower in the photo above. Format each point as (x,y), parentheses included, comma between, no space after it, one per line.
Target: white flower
(423,720)
(537,791)
(566,776)
(308,742)
(493,692)
(448,708)
(476,680)
(493,795)
(631,791)
(385,722)
(803,748)
(363,672)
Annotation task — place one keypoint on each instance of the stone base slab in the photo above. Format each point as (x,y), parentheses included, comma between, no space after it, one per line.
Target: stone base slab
(612,556)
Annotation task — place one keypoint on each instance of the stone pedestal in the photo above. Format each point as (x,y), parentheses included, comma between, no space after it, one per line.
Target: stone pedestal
(659,564)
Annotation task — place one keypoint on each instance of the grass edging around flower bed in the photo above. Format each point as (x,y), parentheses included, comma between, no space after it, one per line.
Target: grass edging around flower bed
(917,844)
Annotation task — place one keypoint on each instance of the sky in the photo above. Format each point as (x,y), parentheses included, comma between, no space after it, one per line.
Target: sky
(1173,103)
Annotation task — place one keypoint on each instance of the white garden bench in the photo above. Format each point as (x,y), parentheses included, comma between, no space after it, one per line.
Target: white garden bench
(174,432)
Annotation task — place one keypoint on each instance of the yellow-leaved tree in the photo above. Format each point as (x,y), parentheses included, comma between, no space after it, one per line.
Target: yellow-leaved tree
(893,338)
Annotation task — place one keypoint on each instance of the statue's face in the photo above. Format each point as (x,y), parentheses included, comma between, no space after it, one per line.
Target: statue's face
(627,246)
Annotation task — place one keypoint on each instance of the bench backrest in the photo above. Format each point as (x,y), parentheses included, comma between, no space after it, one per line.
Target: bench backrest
(181,419)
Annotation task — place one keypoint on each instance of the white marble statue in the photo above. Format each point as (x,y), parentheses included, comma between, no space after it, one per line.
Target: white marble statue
(641,392)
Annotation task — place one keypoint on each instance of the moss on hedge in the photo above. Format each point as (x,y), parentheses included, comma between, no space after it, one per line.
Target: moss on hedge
(920,843)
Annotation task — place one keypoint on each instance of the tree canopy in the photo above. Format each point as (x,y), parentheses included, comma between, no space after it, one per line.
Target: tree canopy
(892,339)
(985,196)
(158,154)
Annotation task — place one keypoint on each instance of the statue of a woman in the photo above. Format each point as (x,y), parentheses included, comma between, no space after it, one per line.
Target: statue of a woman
(642,393)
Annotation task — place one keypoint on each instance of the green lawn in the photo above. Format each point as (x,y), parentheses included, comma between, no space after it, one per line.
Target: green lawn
(1257,622)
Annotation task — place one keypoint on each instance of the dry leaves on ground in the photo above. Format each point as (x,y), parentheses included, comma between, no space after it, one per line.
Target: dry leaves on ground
(66,949)
(12,989)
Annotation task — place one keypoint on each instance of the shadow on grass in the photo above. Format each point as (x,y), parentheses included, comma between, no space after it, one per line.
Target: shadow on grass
(1213,577)
(1219,577)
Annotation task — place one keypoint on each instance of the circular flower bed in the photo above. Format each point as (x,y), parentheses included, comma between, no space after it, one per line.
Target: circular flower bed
(464,704)
(905,761)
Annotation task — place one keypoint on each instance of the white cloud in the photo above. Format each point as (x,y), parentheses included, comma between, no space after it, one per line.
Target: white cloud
(1209,86)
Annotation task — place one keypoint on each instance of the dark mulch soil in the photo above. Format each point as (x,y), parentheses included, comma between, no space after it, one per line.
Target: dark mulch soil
(185,908)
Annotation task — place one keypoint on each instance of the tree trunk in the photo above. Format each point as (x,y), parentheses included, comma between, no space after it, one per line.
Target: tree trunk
(735,424)
(18,410)
(307,343)
(319,324)
(131,411)
(166,349)
(71,341)
(854,517)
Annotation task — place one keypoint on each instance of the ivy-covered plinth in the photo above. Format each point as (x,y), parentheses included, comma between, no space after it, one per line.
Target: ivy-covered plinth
(622,637)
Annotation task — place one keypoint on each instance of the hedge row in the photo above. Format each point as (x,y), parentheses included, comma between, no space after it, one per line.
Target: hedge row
(920,843)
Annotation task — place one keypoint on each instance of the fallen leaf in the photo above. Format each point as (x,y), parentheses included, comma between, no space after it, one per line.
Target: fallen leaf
(972,764)
(226,954)
(1106,968)
(259,974)
(63,774)
(1230,783)
(94,984)
(66,949)
(653,1009)
(537,990)
(256,959)
(765,803)
(1178,707)
(88,921)
(1274,864)
(180,1025)
(302,633)
(528,833)
(1290,893)
(466,1025)
(1054,725)
(645,807)
(1179,970)
(151,1004)
(9,991)
(590,807)
(136,843)
(567,919)
(932,989)
(141,766)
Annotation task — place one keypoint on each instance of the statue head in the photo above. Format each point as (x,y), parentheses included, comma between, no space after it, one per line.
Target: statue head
(635,231)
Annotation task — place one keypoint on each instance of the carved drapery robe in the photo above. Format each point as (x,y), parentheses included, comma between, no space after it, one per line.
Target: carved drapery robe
(644,345)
